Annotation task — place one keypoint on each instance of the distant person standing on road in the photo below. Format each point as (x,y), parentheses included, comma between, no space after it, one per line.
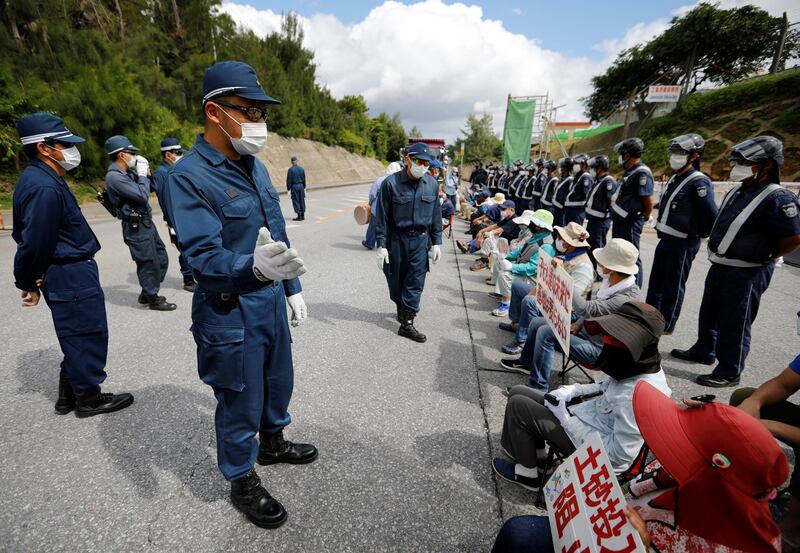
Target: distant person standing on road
(633,202)
(409,217)
(229,222)
(129,189)
(686,214)
(55,253)
(758,222)
(296,185)
(369,240)
(171,152)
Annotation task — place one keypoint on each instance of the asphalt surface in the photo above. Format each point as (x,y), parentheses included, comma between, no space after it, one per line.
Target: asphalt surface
(406,431)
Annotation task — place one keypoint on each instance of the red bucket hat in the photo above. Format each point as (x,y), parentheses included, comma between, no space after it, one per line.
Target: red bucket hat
(726,465)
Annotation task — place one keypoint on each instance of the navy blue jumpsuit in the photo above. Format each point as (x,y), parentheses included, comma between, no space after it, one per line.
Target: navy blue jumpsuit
(686,213)
(296,184)
(598,218)
(239,323)
(159,182)
(575,202)
(742,263)
(408,217)
(559,199)
(54,242)
(627,208)
(131,193)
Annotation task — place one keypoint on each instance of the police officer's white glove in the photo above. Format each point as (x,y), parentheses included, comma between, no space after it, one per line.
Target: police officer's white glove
(559,411)
(142,166)
(565,393)
(505,265)
(651,222)
(436,253)
(274,260)
(383,257)
(299,309)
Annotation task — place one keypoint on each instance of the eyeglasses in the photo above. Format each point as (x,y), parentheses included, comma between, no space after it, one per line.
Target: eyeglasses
(422,162)
(253,113)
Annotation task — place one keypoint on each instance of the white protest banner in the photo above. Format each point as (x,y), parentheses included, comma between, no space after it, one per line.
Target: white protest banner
(554,297)
(585,505)
(663,93)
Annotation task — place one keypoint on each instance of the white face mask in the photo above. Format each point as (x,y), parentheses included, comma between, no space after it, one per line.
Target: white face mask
(741,172)
(621,161)
(603,272)
(253,140)
(176,159)
(576,167)
(441,201)
(561,247)
(417,170)
(72,158)
(593,173)
(677,161)
(131,161)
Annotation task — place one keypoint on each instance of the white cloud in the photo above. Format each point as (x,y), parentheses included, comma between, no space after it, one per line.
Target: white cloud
(639,33)
(517,11)
(432,62)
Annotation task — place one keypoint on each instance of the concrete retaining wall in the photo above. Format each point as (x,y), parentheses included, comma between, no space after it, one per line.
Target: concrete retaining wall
(325,166)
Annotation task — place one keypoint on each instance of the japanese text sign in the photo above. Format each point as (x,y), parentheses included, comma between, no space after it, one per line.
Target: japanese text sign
(585,505)
(663,93)
(554,297)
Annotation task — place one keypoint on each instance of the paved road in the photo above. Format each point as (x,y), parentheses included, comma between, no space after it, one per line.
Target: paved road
(402,427)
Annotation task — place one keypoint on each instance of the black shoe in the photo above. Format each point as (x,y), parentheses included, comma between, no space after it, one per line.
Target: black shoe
(275,449)
(260,508)
(66,397)
(143,298)
(189,285)
(407,330)
(687,355)
(509,327)
(713,381)
(160,303)
(298,218)
(92,402)
(515,366)
(302,217)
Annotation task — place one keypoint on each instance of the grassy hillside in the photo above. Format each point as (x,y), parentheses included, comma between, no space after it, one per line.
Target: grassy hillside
(765,105)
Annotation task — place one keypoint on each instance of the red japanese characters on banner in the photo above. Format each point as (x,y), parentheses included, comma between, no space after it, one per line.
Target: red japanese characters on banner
(554,297)
(585,505)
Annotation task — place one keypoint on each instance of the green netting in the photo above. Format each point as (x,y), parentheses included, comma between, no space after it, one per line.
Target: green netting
(588,132)
(517,131)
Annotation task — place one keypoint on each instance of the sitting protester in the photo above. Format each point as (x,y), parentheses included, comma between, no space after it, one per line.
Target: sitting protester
(505,228)
(769,402)
(573,256)
(629,355)
(716,467)
(523,262)
(447,207)
(616,263)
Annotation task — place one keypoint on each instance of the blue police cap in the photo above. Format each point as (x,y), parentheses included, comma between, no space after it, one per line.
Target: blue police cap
(419,150)
(41,127)
(294,158)
(436,164)
(170,143)
(117,143)
(233,78)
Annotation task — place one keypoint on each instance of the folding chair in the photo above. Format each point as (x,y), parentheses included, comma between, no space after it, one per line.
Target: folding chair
(569,364)
(448,226)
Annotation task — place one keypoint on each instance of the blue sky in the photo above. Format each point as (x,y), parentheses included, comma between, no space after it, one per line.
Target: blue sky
(572,28)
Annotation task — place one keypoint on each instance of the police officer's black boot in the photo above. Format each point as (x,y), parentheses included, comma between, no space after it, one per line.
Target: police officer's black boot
(144,300)
(66,397)
(189,284)
(275,448)
(407,329)
(93,402)
(260,508)
(160,303)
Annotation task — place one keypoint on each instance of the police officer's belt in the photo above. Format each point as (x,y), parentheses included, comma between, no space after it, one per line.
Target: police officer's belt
(70,260)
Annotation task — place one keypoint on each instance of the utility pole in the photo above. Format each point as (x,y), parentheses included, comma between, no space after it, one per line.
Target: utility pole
(776,59)
(631,98)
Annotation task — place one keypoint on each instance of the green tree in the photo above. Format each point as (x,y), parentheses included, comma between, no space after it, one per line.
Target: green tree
(415,132)
(480,142)
(707,44)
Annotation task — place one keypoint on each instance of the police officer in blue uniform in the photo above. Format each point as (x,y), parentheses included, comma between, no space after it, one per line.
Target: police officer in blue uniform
(129,189)
(409,218)
(296,185)
(538,185)
(171,152)
(598,204)
(581,187)
(686,213)
(561,190)
(632,202)
(229,223)
(757,223)
(549,189)
(55,258)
